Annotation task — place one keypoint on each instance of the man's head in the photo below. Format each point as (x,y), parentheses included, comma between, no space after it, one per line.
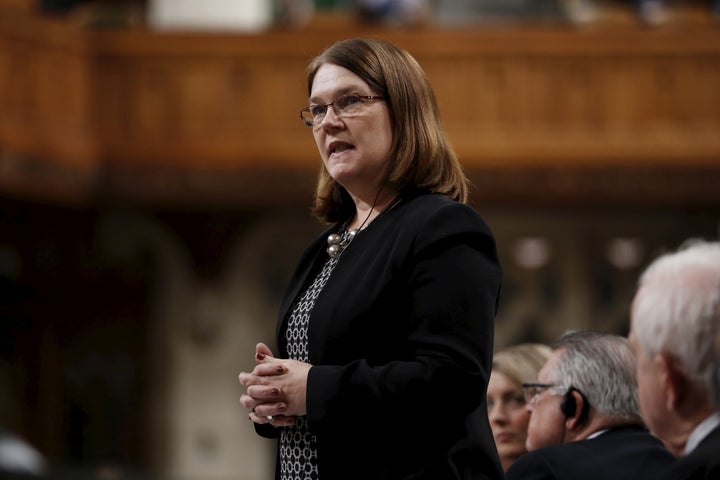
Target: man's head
(587,384)
(675,333)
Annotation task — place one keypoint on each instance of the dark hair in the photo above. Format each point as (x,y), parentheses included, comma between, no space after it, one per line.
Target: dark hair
(421,157)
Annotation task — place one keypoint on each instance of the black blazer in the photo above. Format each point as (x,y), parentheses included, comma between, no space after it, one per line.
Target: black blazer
(703,463)
(401,340)
(629,452)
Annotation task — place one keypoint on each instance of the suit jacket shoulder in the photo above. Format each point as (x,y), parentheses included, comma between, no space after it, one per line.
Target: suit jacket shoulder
(629,452)
(703,463)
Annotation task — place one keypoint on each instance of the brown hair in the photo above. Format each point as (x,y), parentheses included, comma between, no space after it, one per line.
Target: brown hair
(421,157)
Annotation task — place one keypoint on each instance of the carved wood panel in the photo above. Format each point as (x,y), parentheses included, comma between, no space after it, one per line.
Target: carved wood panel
(122,111)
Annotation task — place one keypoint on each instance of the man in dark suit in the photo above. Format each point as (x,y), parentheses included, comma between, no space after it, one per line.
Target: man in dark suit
(675,333)
(585,421)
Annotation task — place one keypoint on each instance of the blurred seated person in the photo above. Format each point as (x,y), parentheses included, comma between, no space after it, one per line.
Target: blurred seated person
(506,405)
(675,333)
(585,420)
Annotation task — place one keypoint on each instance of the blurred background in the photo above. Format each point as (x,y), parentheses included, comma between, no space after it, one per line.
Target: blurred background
(155,184)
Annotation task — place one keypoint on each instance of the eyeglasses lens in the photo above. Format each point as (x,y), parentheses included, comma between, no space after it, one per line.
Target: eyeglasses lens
(343,105)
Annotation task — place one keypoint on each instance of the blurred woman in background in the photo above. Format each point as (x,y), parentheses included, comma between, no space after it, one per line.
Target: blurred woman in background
(506,405)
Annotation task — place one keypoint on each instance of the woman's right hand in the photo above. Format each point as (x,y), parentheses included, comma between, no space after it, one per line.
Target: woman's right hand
(266,402)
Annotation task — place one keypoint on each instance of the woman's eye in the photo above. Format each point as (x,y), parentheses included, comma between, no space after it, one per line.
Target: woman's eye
(317,110)
(347,101)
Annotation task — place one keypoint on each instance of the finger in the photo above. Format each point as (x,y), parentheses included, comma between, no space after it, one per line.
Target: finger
(269,409)
(263,348)
(247,379)
(277,421)
(264,393)
(262,352)
(251,402)
(248,402)
(273,367)
(261,419)
(282,421)
(263,376)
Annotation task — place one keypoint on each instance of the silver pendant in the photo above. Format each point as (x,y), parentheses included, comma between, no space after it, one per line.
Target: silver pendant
(336,244)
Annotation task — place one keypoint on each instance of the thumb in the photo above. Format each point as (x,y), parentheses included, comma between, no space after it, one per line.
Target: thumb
(262,351)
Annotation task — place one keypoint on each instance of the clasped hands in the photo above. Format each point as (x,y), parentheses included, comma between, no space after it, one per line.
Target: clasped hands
(276,388)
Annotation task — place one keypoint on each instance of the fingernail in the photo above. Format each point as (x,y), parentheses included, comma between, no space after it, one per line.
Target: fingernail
(260,356)
(280,368)
(275,391)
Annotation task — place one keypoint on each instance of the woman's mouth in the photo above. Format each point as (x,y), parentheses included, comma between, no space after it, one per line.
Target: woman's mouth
(337,148)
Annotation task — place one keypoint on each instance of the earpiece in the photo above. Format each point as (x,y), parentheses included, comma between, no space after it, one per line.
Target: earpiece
(568,405)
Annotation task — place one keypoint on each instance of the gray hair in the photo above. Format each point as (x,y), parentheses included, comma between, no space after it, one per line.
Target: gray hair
(602,366)
(677,311)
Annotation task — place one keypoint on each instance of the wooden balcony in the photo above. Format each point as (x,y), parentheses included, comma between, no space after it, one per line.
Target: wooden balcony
(553,114)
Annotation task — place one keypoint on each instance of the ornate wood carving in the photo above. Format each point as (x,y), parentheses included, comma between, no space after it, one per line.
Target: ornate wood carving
(133,109)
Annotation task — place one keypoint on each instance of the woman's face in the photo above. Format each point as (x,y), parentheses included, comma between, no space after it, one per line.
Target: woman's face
(508,417)
(354,148)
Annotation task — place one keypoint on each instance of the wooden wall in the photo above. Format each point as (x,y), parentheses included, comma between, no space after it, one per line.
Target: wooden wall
(553,114)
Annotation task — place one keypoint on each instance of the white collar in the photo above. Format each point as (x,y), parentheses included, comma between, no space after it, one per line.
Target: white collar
(597,434)
(701,431)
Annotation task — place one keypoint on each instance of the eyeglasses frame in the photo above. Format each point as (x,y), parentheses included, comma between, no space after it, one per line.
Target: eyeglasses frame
(530,400)
(331,104)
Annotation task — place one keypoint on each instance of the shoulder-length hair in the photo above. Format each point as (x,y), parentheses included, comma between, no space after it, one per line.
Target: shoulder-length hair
(522,362)
(421,157)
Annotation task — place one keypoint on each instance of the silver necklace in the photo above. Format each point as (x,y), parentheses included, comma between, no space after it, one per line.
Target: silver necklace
(337,242)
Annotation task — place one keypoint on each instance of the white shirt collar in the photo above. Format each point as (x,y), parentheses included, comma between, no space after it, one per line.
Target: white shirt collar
(701,431)
(597,434)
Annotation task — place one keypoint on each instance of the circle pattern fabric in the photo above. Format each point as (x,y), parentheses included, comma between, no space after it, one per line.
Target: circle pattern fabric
(298,447)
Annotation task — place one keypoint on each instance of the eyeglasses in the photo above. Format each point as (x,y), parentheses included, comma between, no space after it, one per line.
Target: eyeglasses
(344,106)
(531,391)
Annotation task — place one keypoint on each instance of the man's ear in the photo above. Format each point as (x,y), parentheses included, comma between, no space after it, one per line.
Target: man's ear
(674,381)
(575,417)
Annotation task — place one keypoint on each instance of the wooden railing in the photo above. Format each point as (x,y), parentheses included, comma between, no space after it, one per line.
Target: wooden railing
(536,114)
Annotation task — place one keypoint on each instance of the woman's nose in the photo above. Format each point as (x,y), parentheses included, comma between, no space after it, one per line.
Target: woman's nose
(329,121)
(497,413)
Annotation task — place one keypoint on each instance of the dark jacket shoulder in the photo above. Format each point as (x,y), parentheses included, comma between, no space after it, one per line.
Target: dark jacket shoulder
(628,452)
(703,463)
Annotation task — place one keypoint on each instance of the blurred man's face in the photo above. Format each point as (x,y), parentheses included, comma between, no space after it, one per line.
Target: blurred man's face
(651,393)
(547,423)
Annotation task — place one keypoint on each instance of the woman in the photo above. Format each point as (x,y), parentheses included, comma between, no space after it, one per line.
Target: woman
(506,404)
(386,329)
